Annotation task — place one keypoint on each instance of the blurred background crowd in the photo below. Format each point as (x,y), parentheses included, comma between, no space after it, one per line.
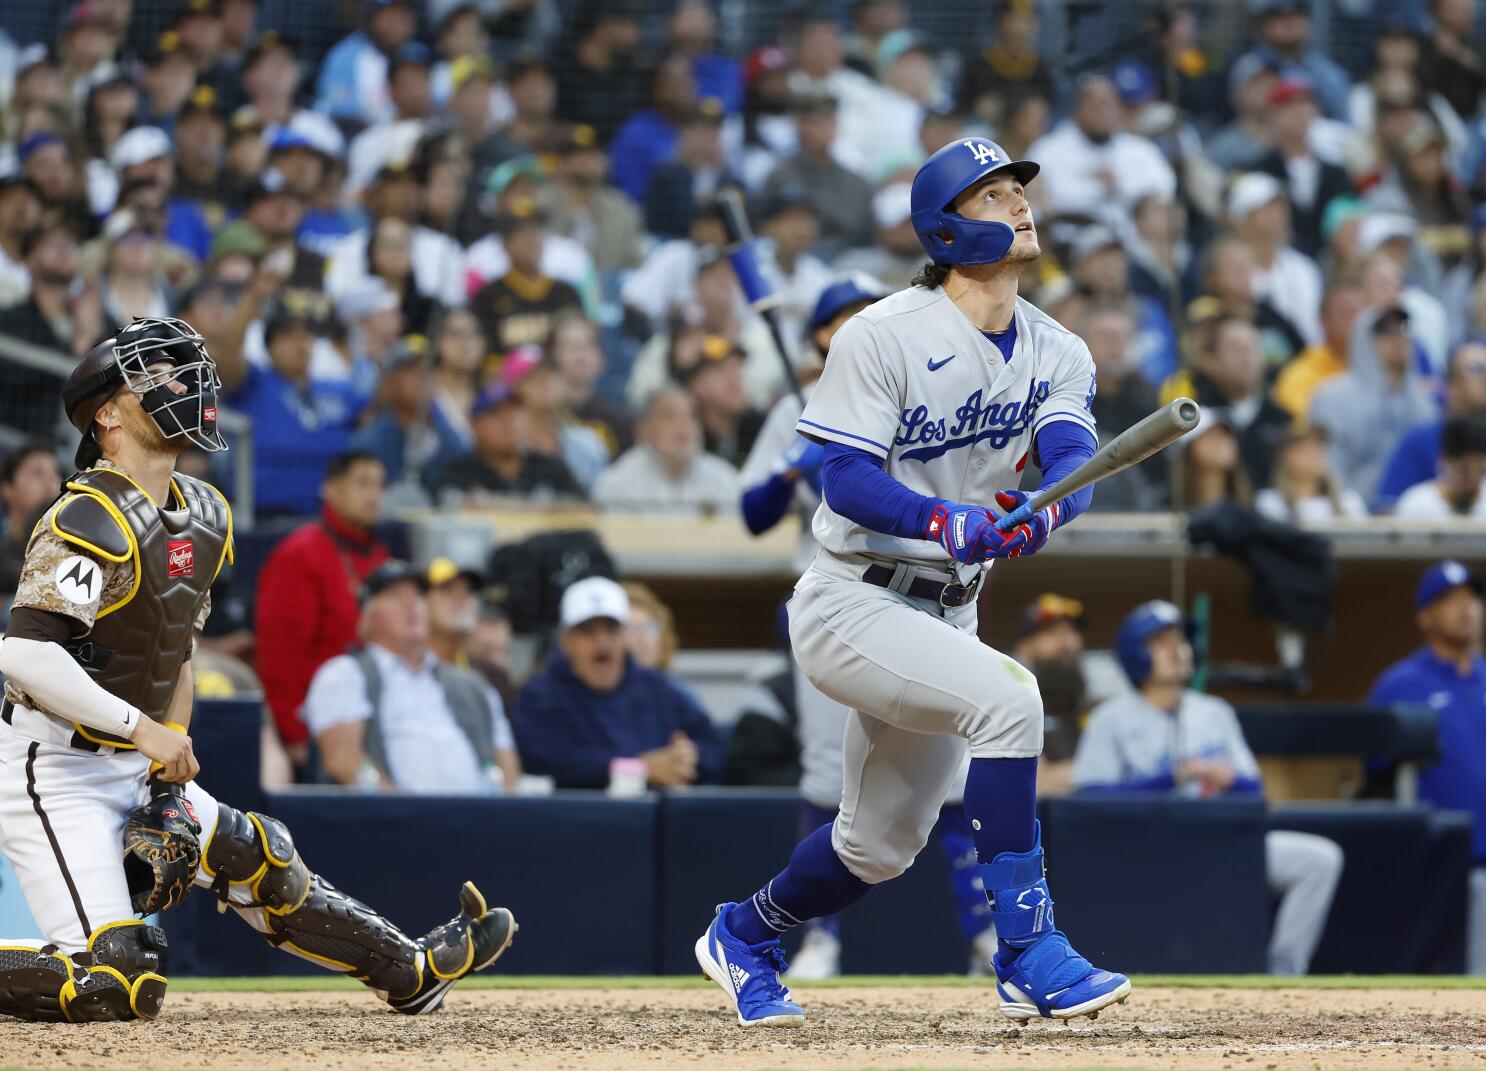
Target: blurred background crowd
(470,257)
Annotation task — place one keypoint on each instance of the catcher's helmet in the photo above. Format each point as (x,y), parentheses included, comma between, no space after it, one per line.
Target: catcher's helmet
(947,236)
(1145,621)
(123,361)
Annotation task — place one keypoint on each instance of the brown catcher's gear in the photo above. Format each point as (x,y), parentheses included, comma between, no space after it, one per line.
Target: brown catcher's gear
(117,978)
(137,644)
(301,912)
(162,853)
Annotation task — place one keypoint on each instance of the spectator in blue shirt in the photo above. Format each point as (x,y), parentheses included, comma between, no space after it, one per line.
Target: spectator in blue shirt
(353,78)
(1416,459)
(299,422)
(141,159)
(1449,674)
(650,136)
(1283,29)
(593,703)
(693,32)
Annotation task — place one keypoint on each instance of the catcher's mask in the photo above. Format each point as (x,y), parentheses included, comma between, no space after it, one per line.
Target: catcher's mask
(123,361)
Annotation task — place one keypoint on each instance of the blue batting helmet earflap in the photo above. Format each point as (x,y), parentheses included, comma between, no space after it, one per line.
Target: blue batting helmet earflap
(1145,621)
(948,237)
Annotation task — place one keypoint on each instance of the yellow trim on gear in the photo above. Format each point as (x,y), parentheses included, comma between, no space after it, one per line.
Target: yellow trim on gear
(267,846)
(65,996)
(335,964)
(139,984)
(133,555)
(77,541)
(484,906)
(287,909)
(205,867)
(105,969)
(112,926)
(464,968)
(417,966)
(228,553)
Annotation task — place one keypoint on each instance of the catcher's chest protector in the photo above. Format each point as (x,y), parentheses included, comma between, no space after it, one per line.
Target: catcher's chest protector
(138,644)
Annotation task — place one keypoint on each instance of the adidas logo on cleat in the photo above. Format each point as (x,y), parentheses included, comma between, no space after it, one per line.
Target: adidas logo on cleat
(739,975)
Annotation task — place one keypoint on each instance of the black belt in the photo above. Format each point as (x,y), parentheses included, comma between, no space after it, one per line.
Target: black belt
(947,595)
(79,741)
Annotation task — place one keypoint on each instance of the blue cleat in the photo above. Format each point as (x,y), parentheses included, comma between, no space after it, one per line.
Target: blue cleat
(1044,977)
(1052,981)
(748,974)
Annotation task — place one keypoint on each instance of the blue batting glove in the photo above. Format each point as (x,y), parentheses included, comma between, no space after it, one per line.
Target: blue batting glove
(1032,534)
(965,532)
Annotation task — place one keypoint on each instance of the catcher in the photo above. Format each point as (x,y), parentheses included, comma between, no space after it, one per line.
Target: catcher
(94,751)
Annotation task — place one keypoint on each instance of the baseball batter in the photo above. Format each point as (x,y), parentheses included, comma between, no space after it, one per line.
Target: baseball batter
(930,404)
(99,812)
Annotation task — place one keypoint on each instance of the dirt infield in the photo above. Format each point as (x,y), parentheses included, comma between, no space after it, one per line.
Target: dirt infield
(879,1027)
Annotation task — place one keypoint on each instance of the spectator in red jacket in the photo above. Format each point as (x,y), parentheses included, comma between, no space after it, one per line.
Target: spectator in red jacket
(307,593)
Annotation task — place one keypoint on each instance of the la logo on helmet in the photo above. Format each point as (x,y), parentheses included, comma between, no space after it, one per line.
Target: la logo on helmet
(982,152)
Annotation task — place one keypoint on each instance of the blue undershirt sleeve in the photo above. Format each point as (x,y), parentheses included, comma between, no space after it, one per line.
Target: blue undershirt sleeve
(1063,446)
(766,502)
(855,486)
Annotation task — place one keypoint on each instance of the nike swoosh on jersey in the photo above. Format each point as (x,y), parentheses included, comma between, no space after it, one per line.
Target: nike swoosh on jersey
(934,365)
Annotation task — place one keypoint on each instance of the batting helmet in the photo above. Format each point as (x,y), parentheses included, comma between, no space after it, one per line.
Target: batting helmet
(123,361)
(1145,621)
(947,236)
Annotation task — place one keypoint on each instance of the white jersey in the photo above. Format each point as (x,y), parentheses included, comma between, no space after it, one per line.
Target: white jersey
(912,381)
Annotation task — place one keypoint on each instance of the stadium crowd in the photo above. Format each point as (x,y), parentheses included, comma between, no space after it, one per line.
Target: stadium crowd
(485,246)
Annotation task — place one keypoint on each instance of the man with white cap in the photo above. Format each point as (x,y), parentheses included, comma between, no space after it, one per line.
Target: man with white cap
(593,703)
(143,155)
(1288,279)
(895,255)
(1390,236)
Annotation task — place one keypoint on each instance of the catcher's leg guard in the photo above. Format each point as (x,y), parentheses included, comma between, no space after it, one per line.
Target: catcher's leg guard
(301,912)
(116,979)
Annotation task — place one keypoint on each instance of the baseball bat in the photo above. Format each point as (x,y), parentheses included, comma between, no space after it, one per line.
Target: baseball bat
(1132,446)
(743,256)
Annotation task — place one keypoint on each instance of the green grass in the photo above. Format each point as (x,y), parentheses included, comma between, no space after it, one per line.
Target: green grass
(542,981)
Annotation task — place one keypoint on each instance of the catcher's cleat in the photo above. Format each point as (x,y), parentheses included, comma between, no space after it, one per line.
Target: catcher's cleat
(471,941)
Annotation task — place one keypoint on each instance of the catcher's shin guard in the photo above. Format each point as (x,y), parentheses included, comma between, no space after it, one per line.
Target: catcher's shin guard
(301,912)
(117,978)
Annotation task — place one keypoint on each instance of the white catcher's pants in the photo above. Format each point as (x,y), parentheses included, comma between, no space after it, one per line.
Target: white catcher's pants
(62,817)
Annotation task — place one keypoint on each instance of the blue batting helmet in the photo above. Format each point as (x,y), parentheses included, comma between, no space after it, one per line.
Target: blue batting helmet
(1145,621)
(947,236)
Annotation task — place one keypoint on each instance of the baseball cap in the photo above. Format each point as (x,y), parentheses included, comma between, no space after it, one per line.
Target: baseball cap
(466,67)
(1094,239)
(388,574)
(367,296)
(519,362)
(763,60)
(442,571)
(857,288)
(1134,81)
(1443,578)
(892,205)
(1383,227)
(413,52)
(1251,192)
(1393,320)
(597,596)
(493,397)
(1463,435)
(32,142)
(1048,610)
(1287,88)
(139,145)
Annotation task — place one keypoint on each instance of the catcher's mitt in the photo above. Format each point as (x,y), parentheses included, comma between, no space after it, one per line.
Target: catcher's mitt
(161,852)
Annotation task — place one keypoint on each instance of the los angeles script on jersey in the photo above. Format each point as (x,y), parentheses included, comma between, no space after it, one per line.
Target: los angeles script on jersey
(973,422)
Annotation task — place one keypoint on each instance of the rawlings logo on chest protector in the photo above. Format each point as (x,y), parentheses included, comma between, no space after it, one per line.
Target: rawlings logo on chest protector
(974,421)
(180,558)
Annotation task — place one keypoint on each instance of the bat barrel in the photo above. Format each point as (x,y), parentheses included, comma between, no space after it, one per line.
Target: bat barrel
(1185,413)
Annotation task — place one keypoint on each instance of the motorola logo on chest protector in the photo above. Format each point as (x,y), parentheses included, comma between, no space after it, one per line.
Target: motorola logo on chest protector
(79,580)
